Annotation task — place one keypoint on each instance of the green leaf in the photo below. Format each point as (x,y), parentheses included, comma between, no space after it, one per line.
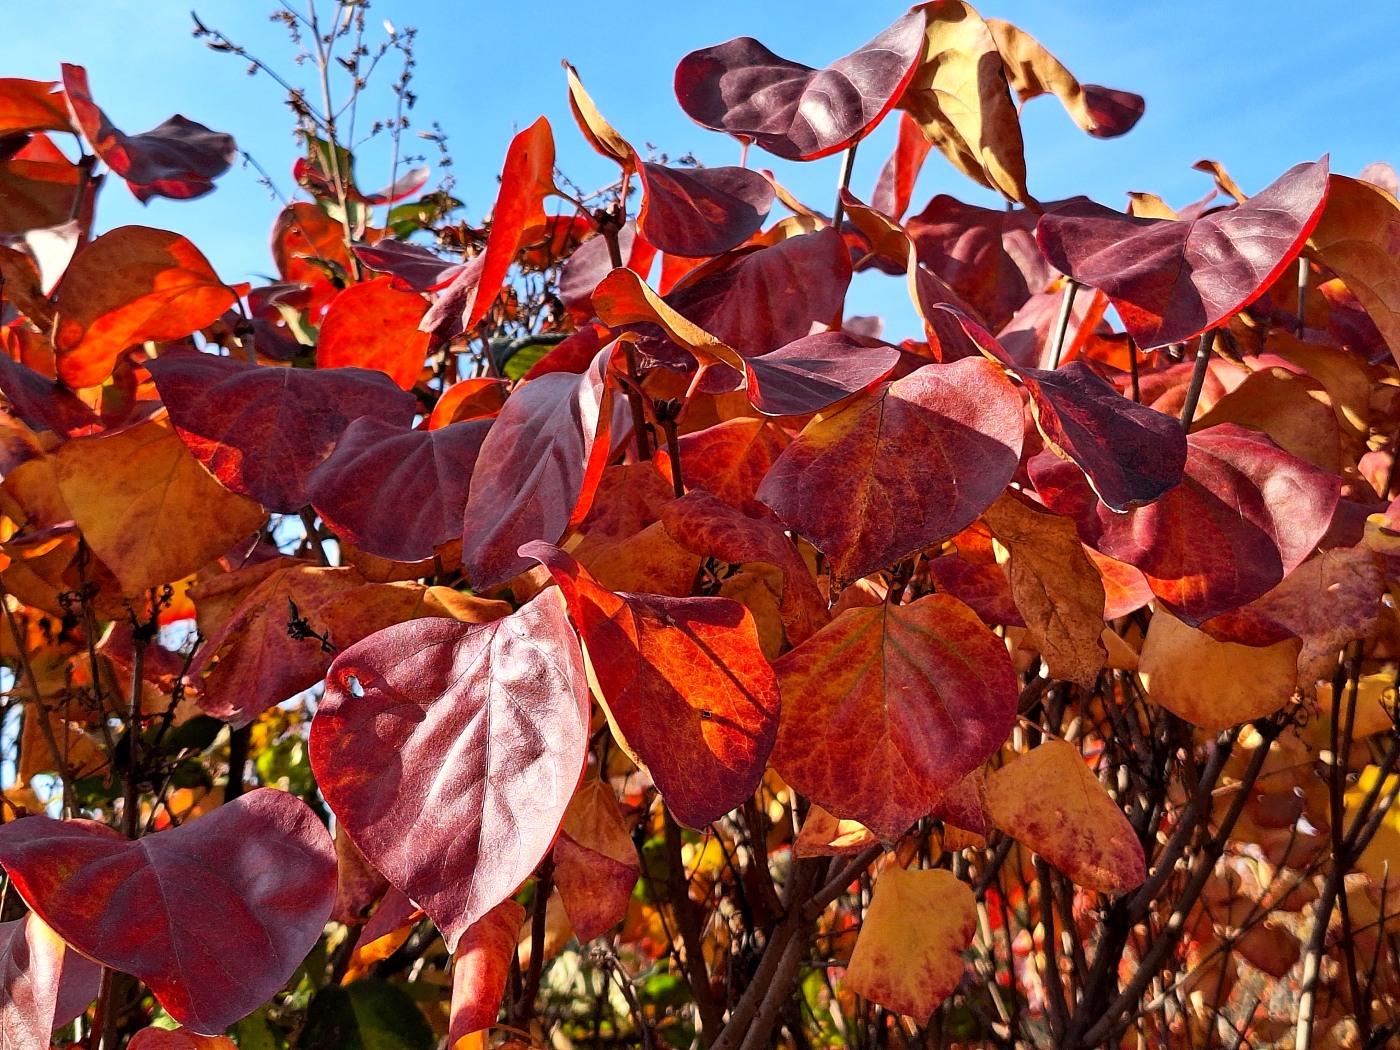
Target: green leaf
(365,1015)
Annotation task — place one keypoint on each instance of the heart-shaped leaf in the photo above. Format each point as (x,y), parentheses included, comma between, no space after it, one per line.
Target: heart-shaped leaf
(131,285)
(262,431)
(685,685)
(425,473)
(449,751)
(214,915)
(900,468)
(537,469)
(1245,515)
(1173,279)
(886,708)
(701,211)
(178,158)
(792,110)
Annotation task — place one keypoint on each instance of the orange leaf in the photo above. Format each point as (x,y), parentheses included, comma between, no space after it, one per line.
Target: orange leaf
(481,969)
(908,957)
(373,325)
(596,864)
(1215,684)
(146,506)
(178,1039)
(823,835)
(1048,801)
(887,708)
(131,285)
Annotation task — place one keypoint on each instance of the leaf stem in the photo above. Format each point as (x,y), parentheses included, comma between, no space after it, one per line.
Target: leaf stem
(1198,378)
(1057,345)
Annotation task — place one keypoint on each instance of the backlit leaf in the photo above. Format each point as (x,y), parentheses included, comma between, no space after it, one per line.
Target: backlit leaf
(481,969)
(1173,279)
(131,285)
(31,105)
(1358,238)
(908,957)
(38,972)
(450,751)
(1076,827)
(886,708)
(701,211)
(373,325)
(685,685)
(214,915)
(595,862)
(792,110)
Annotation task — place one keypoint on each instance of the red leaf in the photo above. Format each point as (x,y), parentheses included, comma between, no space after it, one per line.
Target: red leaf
(42,403)
(593,261)
(131,285)
(813,373)
(887,708)
(262,430)
(450,751)
(43,984)
(685,684)
(764,299)
(374,325)
(792,110)
(214,915)
(1245,515)
(482,968)
(38,186)
(1173,279)
(895,186)
(729,459)
(988,256)
(31,105)
(900,468)
(701,211)
(537,469)
(413,267)
(424,473)
(702,524)
(178,158)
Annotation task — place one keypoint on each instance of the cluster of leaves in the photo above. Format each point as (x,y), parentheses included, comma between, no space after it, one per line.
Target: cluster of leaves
(724,674)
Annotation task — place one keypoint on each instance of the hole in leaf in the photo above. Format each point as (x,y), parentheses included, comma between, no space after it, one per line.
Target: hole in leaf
(353,685)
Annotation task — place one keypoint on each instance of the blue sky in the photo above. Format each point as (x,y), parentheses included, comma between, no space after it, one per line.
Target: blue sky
(1258,86)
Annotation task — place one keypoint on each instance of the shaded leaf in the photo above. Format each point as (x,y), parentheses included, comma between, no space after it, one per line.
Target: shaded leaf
(595,863)
(701,211)
(895,186)
(1075,827)
(214,915)
(900,468)
(1244,516)
(146,506)
(38,188)
(886,708)
(1173,279)
(412,267)
(425,473)
(42,403)
(178,1039)
(908,957)
(537,469)
(792,110)
(261,430)
(364,1015)
(823,835)
(178,158)
(131,285)
(373,325)
(450,751)
(42,982)
(1215,684)
(685,685)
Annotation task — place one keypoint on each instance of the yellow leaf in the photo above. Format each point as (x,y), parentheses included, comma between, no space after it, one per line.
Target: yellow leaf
(1382,856)
(1215,684)
(1048,801)
(908,957)
(146,506)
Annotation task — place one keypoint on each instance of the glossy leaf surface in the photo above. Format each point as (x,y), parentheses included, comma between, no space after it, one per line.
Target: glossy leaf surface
(374,325)
(701,211)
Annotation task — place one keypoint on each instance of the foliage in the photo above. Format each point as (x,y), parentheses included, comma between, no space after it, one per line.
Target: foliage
(568,631)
